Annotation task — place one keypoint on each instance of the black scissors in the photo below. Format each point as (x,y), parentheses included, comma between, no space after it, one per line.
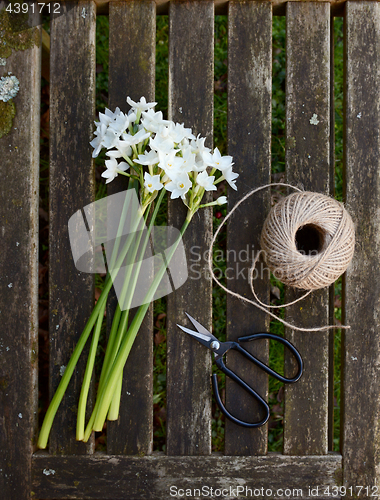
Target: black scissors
(220,348)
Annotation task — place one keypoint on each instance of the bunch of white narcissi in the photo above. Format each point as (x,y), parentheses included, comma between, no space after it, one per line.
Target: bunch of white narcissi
(174,158)
(157,155)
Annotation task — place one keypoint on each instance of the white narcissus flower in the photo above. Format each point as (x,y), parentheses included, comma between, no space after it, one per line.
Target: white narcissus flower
(119,124)
(170,163)
(142,105)
(116,153)
(216,160)
(152,182)
(162,141)
(153,121)
(140,136)
(179,186)
(222,200)
(110,139)
(206,181)
(178,132)
(229,175)
(97,143)
(198,146)
(113,169)
(150,158)
(188,159)
(107,117)
(123,149)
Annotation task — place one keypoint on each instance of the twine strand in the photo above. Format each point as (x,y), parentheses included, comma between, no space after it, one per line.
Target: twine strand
(278,241)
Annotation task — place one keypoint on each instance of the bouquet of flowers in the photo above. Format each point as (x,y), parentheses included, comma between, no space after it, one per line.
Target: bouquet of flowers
(157,156)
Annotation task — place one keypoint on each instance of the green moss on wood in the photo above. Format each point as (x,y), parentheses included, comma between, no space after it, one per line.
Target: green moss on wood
(16,34)
(7,113)
(3,383)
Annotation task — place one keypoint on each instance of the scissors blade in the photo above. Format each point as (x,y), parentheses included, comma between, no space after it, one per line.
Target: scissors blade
(203,339)
(201,329)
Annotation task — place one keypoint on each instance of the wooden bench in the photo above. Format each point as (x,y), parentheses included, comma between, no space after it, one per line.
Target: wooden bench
(129,469)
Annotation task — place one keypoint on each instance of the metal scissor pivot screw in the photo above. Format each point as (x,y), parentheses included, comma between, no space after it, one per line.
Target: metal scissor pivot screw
(215,345)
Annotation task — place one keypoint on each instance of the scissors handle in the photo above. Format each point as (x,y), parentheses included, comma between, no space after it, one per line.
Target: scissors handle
(246,387)
(236,346)
(263,366)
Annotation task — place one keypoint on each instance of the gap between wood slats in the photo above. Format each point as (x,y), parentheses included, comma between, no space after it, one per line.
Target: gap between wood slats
(191,86)
(249,135)
(308,165)
(132,73)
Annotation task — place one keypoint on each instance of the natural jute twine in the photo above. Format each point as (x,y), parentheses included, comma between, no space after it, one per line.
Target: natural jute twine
(334,240)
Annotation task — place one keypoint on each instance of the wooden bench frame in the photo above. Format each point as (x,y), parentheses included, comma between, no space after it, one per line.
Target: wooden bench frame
(129,470)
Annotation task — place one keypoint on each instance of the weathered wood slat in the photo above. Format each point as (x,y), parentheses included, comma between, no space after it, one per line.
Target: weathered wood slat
(361,349)
(19,170)
(221,6)
(134,478)
(72,108)
(132,73)
(249,132)
(308,164)
(191,79)
(332,333)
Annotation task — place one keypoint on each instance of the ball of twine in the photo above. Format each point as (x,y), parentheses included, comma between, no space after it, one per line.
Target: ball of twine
(308,240)
(332,230)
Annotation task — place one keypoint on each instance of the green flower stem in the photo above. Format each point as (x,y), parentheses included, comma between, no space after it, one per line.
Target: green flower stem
(57,398)
(130,286)
(220,179)
(125,300)
(104,399)
(88,374)
(121,225)
(113,413)
(129,161)
(110,343)
(81,415)
(117,331)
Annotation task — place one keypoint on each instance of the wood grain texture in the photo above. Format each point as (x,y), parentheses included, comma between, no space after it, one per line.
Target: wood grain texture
(361,346)
(132,73)
(332,333)
(72,108)
(150,478)
(249,132)
(221,6)
(19,191)
(191,80)
(308,165)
